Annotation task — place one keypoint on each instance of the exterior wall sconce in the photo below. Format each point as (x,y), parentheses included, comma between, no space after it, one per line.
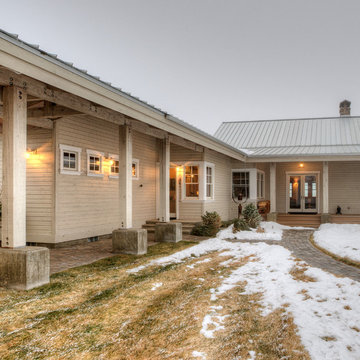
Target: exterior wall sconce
(31,153)
(301,165)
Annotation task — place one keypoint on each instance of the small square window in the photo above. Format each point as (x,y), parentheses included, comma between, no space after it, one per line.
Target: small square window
(70,158)
(95,163)
(115,167)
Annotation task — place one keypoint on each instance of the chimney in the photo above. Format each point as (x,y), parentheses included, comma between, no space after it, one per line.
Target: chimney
(344,108)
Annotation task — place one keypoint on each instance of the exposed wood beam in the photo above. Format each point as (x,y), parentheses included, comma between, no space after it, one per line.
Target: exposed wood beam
(185,143)
(51,111)
(36,104)
(43,123)
(145,129)
(42,91)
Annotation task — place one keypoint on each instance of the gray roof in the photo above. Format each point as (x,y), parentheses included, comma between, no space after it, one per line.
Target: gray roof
(308,137)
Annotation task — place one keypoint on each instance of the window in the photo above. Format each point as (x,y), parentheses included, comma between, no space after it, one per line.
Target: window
(240,185)
(70,160)
(192,181)
(114,166)
(260,185)
(95,163)
(135,169)
(210,182)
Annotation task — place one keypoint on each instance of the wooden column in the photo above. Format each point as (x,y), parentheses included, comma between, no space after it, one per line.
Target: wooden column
(165,180)
(325,188)
(125,177)
(273,187)
(14,168)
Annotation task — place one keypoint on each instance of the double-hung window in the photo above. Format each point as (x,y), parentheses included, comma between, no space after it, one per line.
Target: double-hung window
(210,169)
(192,181)
(114,166)
(70,160)
(260,177)
(135,169)
(95,163)
(241,184)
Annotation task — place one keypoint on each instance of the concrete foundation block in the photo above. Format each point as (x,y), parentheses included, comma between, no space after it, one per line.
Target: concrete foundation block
(168,232)
(130,241)
(24,268)
(325,218)
(271,217)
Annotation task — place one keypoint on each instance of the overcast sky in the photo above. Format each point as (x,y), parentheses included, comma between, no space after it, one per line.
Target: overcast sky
(207,61)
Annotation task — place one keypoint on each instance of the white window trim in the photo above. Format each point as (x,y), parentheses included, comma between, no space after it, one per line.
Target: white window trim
(137,166)
(263,190)
(212,166)
(94,153)
(63,148)
(116,158)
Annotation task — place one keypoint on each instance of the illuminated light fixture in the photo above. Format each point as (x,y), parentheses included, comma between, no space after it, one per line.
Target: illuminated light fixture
(30,153)
(109,161)
(301,165)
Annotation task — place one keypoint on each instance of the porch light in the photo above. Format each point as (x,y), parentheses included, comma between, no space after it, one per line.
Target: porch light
(301,165)
(30,153)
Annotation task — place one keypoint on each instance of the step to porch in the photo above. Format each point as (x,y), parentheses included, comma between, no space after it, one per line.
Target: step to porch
(345,219)
(305,220)
(187,225)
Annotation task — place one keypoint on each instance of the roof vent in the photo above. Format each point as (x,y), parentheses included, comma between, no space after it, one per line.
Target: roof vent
(344,108)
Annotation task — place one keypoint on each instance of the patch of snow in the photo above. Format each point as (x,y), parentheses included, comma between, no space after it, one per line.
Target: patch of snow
(155,286)
(272,231)
(212,320)
(340,239)
(199,354)
(252,355)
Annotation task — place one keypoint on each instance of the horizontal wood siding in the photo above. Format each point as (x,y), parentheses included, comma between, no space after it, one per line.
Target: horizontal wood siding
(222,202)
(281,186)
(191,210)
(144,190)
(344,183)
(179,153)
(86,206)
(39,185)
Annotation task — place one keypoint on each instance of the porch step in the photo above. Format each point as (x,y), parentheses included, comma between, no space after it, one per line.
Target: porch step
(187,225)
(345,219)
(299,220)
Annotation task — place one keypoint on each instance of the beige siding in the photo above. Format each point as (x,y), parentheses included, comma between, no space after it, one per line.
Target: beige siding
(179,153)
(281,186)
(39,185)
(86,206)
(344,182)
(222,202)
(144,189)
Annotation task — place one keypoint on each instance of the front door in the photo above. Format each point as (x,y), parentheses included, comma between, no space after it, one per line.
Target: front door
(302,193)
(173,193)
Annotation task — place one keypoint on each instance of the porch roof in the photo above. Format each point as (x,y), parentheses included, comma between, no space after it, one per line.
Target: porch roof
(292,137)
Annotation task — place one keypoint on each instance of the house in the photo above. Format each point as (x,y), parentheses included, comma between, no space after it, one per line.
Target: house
(81,158)
(310,166)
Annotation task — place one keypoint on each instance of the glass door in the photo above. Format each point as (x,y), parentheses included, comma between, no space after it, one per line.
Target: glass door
(295,193)
(173,193)
(303,193)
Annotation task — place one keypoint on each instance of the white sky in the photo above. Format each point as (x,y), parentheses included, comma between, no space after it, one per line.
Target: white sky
(207,61)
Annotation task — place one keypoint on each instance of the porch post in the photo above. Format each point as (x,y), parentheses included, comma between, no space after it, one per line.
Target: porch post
(125,177)
(325,217)
(14,168)
(165,180)
(272,216)
(21,267)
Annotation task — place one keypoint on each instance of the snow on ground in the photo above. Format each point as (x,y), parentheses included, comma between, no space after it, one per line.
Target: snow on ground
(155,286)
(272,231)
(340,239)
(327,318)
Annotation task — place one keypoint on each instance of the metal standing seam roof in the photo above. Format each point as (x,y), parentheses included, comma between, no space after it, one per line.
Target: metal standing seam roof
(290,137)
(14,38)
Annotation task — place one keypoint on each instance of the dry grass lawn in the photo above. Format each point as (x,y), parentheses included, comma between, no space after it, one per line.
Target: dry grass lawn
(100,311)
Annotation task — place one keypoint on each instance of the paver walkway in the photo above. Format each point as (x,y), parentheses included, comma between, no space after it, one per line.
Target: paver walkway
(297,241)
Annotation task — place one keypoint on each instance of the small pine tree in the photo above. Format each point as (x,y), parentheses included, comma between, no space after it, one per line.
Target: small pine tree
(240,225)
(252,216)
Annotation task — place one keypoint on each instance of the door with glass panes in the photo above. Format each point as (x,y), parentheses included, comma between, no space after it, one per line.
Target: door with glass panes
(302,196)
